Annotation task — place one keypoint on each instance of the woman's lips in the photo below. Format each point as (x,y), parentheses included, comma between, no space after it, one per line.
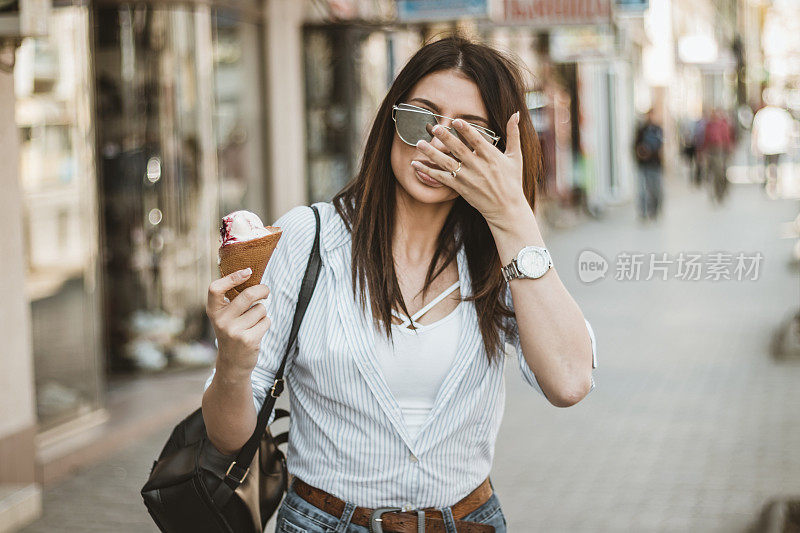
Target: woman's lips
(427,180)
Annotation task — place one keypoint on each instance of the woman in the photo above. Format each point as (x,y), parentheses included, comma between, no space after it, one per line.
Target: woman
(397,388)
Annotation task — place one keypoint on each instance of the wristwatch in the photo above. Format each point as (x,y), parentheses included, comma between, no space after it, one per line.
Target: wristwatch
(532,262)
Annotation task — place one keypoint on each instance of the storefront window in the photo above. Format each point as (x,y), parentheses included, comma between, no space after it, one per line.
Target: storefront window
(150,118)
(130,150)
(57,178)
(348,70)
(239,121)
(179,135)
(330,98)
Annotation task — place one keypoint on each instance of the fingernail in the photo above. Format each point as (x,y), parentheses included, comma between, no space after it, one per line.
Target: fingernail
(246,272)
(516,117)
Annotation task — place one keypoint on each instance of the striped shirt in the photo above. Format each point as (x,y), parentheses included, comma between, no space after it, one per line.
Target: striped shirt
(347,434)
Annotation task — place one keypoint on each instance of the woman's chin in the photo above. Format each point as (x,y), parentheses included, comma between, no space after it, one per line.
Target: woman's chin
(422,192)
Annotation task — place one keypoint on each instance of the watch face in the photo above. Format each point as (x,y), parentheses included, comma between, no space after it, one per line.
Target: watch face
(532,263)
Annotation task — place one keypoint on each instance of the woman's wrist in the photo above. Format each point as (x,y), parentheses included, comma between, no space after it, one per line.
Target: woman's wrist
(521,230)
(230,374)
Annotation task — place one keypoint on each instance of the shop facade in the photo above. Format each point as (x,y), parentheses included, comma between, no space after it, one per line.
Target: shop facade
(138,126)
(60,222)
(348,65)
(584,61)
(180,136)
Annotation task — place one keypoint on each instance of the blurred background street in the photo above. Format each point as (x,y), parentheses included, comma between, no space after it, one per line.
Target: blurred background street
(693,425)
(669,130)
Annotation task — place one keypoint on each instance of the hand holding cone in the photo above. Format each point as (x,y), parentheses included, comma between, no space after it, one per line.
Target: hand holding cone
(246,242)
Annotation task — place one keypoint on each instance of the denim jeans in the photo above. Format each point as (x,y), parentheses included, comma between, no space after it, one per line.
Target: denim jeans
(650,194)
(295,515)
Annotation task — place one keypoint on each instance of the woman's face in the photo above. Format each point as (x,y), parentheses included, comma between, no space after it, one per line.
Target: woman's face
(448,93)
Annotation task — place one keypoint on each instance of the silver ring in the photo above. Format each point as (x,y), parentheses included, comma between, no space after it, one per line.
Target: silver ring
(454,172)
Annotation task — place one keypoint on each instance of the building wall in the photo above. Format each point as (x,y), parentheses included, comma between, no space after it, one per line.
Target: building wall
(285,105)
(17,407)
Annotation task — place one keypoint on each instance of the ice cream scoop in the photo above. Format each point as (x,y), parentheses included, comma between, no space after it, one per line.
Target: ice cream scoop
(245,242)
(242,226)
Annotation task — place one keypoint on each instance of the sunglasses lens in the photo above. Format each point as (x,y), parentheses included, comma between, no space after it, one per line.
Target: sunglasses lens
(413,126)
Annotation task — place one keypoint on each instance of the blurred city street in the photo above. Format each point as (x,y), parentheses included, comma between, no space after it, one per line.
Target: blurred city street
(693,426)
(662,140)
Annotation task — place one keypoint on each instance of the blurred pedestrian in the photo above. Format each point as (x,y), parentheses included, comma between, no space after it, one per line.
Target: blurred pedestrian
(716,148)
(772,129)
(648,144)
(698,132)
(688,145)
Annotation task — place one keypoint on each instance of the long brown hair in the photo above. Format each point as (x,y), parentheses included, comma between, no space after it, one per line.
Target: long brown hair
(366,203)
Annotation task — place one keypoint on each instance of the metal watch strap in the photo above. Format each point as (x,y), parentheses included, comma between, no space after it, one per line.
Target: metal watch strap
(510,271)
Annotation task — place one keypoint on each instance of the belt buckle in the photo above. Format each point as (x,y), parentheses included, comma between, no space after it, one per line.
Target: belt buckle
(375,518)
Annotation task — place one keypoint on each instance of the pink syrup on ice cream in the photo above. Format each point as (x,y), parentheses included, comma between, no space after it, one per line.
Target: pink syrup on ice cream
(241,226)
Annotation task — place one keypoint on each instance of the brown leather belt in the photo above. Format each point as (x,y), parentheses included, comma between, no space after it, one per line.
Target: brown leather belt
(396,521)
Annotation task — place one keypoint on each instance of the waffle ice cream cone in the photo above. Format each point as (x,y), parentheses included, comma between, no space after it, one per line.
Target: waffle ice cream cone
(238,252)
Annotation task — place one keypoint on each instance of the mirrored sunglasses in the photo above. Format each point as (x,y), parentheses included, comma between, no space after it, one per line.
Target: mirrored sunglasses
(416,123)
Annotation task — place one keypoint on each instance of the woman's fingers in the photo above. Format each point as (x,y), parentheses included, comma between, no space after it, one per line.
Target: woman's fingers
(437,156)
(483,148)
(443,177)
(512,136)
(457,148)
(216,299)
(261,327)
(253,315)
(245,299)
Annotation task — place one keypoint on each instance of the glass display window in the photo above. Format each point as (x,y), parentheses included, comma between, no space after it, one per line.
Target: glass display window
(53,89)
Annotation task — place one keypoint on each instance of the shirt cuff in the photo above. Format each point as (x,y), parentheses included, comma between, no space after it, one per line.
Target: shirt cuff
(594,343)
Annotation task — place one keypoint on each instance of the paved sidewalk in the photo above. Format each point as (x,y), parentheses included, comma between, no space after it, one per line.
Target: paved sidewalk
(691,427)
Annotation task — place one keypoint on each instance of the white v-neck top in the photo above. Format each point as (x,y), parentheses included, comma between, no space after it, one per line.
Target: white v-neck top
(347,434)
(420,360)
